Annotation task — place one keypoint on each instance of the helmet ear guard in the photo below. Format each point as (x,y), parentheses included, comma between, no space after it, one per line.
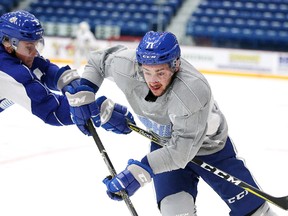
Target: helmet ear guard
(175,65)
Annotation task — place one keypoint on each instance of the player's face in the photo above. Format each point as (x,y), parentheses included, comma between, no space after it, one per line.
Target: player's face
(27,50)
(157,77)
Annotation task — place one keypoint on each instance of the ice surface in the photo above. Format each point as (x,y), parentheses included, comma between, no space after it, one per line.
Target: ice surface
(57,171)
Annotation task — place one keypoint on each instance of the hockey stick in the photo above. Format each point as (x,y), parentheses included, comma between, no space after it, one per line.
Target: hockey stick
(110,165)
(281,202)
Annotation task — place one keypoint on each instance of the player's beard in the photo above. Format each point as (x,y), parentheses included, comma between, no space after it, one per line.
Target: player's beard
(158,89)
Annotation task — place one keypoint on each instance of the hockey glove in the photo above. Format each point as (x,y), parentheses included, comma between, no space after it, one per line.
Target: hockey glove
(66,77)
(135,175)
(114,116)
(83,107)
(41,63)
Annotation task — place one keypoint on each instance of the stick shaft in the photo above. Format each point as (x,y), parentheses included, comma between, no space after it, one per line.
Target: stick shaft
(110,165)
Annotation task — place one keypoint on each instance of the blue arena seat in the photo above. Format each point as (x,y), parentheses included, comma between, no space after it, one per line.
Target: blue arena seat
(8,5)
(138,16)
(249,24)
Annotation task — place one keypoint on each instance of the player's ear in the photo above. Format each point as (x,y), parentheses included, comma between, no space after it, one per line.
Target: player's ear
(8,47)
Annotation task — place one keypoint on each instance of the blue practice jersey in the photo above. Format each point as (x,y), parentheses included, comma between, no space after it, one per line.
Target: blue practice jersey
(33,88)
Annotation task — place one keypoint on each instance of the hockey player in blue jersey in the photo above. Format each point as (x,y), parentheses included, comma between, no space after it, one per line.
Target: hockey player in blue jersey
(28,79)
(175,101)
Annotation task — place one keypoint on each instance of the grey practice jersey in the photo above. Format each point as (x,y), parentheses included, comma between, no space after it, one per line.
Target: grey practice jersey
(186,114)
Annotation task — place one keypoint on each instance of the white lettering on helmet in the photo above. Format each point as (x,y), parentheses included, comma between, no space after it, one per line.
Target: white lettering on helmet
(13,19)
(149,45)
(149,57)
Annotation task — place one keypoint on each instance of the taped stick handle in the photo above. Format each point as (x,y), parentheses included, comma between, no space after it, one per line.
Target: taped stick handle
(109,165)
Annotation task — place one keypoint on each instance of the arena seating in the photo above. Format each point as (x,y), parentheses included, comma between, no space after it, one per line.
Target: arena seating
(246,24)
(8,5)
(131,17)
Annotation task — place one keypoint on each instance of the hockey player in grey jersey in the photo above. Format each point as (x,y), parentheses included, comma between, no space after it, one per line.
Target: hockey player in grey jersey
(172,99)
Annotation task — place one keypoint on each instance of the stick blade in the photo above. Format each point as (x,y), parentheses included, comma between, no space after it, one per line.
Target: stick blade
(281,202)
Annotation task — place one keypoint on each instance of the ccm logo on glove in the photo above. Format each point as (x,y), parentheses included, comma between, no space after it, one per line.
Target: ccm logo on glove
(80,98)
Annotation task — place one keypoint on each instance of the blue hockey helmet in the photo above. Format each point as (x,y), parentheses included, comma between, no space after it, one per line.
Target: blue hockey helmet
(158,48)
(20,25)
